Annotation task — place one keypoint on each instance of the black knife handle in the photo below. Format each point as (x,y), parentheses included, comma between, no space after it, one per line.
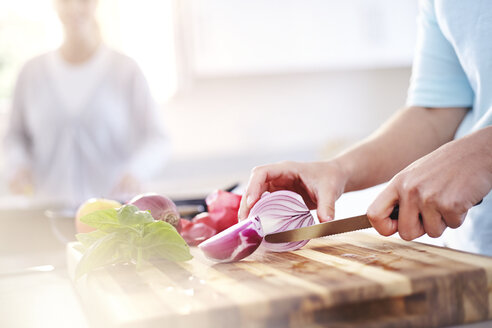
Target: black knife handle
(396,211)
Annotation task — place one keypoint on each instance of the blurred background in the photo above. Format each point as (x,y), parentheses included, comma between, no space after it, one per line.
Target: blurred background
(238,84)
(241,83)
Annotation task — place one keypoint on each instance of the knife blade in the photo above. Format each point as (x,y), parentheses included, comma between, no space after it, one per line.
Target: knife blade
(320,230)
(329,228)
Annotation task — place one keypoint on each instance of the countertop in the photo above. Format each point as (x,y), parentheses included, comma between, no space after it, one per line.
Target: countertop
(35,289)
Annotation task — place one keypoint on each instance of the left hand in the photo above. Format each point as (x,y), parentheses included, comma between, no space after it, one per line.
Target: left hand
(441,186)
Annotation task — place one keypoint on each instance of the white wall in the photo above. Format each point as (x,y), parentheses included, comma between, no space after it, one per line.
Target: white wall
(283,112)
(231,37)
(224,127)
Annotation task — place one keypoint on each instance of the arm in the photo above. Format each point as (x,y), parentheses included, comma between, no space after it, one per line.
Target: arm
(438,97)
(440,187)
(409,135)
(17,142)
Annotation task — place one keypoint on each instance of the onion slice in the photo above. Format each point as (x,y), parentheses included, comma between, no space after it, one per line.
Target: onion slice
(234,243)
(274,212)
(280,211)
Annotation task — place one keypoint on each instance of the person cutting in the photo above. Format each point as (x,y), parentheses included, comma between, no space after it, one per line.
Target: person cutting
(83,122)
(436,152)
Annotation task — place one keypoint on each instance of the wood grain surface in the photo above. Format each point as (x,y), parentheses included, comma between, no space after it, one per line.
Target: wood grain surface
(348,280)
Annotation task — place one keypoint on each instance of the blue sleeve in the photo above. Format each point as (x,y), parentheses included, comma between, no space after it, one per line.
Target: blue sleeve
(438,79)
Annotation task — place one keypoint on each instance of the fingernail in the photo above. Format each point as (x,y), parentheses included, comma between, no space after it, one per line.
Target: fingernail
(249,200)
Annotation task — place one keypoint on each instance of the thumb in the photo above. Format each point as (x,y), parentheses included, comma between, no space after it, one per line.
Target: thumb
(380,210)
(326,206)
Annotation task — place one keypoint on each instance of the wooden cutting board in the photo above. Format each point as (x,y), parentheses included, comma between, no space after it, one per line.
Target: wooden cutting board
(349,280)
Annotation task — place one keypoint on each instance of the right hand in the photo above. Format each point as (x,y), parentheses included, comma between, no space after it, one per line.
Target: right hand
(22,182)
(319,183)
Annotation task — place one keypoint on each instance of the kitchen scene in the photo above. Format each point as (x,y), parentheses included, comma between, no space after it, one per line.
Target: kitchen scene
(317,163)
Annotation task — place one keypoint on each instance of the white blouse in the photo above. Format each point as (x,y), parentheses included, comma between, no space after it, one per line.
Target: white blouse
(80,128)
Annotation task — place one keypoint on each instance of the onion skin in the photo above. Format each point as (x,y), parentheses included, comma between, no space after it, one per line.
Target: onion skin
(161,208)
(234,243)
(280,211)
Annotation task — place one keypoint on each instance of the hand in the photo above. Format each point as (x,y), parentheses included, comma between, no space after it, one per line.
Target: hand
(441,186)
(127,187)
(319,183)
(22,182)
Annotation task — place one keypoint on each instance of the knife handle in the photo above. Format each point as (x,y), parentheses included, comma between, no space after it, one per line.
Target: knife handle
(396,211)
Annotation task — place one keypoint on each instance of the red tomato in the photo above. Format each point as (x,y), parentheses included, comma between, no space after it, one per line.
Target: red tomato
(222,208)
(197,233)
(185,224)
(205,218)
(220,199)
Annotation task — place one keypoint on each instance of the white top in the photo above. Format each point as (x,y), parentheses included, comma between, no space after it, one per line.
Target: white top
(80,128)
(74,84)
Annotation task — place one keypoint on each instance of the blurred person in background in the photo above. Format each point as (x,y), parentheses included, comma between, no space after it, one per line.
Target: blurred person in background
(437,152)
(83,122)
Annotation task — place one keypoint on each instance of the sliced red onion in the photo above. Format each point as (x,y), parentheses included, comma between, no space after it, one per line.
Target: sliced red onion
(280,211)
(234,243)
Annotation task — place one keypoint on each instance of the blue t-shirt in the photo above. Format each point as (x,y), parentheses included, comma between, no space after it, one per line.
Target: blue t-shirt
(453,68)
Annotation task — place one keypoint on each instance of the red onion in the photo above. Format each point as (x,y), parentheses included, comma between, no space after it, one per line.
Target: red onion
(160,207)
(234,243)
(280,211)
(274,212)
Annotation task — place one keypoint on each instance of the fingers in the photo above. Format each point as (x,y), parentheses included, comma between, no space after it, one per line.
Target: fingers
(380,210)
(418,214)
(451,218)
(22,183)
(259,182)
(326,205)
(432,221)
(409,223)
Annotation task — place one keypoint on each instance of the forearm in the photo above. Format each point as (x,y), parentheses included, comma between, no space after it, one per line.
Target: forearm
(409,135)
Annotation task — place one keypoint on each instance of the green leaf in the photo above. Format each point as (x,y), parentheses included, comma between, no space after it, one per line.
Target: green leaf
(128,235)
(105,220)
(161,240)
(109,249)
(131,215)
(89,238)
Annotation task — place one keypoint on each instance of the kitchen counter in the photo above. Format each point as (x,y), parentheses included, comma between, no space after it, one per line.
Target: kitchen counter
(35,289)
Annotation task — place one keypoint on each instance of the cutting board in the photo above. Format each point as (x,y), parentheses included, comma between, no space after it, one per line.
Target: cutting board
(349,280)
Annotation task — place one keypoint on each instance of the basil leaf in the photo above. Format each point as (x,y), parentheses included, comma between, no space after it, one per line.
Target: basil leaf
(161,240)
(109,249)
(131,215)
(89,238)
(128,235)
(105,220)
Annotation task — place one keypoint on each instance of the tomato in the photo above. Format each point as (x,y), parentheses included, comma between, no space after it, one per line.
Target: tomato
(205,218)
(197,232)
(185,224)
(222,208)
(222,213)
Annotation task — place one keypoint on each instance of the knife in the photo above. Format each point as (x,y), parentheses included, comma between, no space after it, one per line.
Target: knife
(328,228)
